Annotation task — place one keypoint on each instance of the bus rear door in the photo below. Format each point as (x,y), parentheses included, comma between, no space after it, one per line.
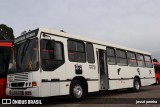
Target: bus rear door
(103,71)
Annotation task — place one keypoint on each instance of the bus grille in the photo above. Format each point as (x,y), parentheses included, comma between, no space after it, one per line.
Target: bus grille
(21,84)
(20,77)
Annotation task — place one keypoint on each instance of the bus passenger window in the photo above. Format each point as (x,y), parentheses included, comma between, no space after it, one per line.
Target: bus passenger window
(132,61)
(111,58)
(52,57)
(148,61)
(121,57)
(76,51)
(140,59)
(90,53)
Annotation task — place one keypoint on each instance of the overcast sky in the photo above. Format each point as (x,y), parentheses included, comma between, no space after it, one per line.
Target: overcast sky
(130,23)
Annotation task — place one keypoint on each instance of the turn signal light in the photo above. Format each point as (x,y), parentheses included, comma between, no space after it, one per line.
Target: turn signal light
(34,84)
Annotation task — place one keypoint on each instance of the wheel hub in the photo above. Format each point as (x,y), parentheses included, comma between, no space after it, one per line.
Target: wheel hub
(137,85)
(77,91)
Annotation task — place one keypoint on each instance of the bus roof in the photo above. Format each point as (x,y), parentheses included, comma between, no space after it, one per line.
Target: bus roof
(67,35)
(64,34)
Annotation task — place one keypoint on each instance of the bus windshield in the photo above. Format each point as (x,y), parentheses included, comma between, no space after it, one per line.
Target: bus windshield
(4,61)
(26,56)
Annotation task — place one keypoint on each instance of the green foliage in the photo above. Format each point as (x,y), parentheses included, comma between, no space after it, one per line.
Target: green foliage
(6,33)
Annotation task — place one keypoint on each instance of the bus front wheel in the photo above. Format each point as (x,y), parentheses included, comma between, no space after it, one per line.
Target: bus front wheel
(77,90)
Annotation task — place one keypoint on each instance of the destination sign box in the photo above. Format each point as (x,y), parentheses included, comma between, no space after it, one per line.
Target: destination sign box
(26,36)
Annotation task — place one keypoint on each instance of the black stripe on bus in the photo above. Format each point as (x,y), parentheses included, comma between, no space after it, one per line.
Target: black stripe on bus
(58,80)
(148,78)
(120,78)
(129,78)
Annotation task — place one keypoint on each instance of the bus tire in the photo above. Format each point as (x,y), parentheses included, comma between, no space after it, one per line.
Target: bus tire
(157,81)
(77,91)
(136,85)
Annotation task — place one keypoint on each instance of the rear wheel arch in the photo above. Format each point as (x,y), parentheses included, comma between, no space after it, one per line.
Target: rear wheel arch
(137,77)
(80,84)
(136,84)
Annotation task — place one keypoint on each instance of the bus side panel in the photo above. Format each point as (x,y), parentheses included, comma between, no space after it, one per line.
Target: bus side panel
(55,88)
(126,83)
(45,89)
(113,76)
(146,82)
(142,72)
(125,75)
(147,76)
(93,86)
(120,84)
(113,84)
(64,88)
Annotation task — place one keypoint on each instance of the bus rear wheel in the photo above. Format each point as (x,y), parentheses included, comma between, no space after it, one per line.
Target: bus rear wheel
(77,91)
(136,85)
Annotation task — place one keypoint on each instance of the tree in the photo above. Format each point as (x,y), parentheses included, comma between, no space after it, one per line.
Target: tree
(6,33)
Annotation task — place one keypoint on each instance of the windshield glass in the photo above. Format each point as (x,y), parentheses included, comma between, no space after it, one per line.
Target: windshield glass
(26,56)
(4,61)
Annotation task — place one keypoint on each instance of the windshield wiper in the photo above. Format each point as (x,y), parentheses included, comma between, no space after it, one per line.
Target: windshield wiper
(25,47)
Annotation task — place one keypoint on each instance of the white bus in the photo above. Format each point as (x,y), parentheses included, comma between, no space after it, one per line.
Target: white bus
(53,63)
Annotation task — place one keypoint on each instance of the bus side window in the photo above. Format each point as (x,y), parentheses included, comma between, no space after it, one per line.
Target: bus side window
(140,59)
(111,57)
(90,53)
(76,51)
(121,57)
(148,61)
(51,57)
(132,61)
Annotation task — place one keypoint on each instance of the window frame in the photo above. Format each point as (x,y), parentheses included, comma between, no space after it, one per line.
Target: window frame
(84,46)
(130,58)
(140,60)
(112,56)
(148,61)
(121,57)
(92,51)
(63,55)
(21,43)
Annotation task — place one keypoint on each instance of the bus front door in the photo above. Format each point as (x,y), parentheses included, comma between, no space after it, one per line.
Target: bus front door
(103,70)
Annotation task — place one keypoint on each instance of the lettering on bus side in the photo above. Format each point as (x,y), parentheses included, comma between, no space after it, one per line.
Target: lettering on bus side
(92,67)
(78,69)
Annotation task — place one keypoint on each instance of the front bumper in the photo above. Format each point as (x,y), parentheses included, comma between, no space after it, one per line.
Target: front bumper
(33,92)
